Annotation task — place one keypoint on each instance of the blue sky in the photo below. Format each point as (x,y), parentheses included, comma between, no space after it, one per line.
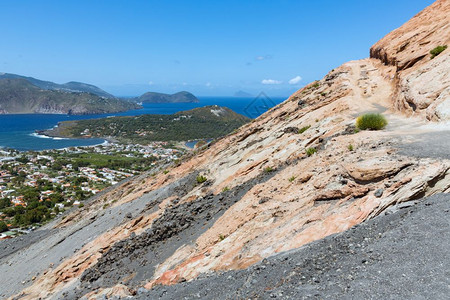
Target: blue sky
(206,47)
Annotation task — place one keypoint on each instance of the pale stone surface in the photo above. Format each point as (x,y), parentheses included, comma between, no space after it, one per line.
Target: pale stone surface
(422,83)
(285,198)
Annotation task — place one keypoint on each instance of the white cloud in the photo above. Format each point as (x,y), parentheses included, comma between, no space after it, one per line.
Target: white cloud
(208,84)
(271,81)
(295,80)
(150,83)
(261,57)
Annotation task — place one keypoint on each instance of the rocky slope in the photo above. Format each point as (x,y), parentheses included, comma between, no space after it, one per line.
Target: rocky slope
(264,195)
(422,82)
(361,263)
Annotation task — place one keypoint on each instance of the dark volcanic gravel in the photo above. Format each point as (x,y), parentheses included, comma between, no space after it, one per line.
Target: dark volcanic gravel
(403,255)
(430,144)
(179,225)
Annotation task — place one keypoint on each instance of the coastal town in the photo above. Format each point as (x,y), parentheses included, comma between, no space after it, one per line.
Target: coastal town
(37,186)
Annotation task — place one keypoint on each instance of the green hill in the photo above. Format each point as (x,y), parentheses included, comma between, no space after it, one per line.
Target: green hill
(152,97)
(66,87)
(199,123)
(20,96)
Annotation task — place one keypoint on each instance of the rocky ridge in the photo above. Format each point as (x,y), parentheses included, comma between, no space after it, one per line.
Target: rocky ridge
(264,194)
(71,87)
(20,96)
(422,82)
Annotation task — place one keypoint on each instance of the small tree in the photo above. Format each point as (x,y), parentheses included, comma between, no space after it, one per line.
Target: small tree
(3,226)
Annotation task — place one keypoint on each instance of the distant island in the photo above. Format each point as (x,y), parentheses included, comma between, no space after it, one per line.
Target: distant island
(180,97)
(242,94)
(199,123)
(27,95)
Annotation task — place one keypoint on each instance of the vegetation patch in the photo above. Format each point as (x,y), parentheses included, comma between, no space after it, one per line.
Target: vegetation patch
(303,129)
(314,86)
(436,51)
(371,121)
(350,147)
(3,226)
(207,122)
(268,169)
(201,179)
(311,151)
(291,179)
(98,160)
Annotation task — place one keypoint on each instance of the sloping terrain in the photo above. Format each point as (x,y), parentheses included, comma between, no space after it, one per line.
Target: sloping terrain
(266,193)
(423,84)
(72,86)
(198,123)
(19,96)
(402,255)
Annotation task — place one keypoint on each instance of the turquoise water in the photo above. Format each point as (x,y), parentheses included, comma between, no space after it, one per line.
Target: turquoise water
(191,144)
(18,131)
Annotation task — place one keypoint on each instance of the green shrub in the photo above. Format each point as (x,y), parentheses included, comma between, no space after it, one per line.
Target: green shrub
(268,169)
(315,85)
(303,129)
(81,205)
(350,147)
(225,189)
(436,51)
(372,121)
(3,226)
(201,179)
(311,151)
(291,179)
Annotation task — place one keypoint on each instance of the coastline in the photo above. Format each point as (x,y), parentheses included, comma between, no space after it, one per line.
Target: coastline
(17,128)
(43,136)
(105,143)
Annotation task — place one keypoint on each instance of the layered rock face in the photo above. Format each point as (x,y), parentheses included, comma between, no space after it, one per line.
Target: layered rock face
(265,192)
(423,82)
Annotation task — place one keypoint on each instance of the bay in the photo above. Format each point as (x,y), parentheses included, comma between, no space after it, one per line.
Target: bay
(18,131)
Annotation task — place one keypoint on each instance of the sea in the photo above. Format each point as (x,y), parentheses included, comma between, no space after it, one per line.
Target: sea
(19,131)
